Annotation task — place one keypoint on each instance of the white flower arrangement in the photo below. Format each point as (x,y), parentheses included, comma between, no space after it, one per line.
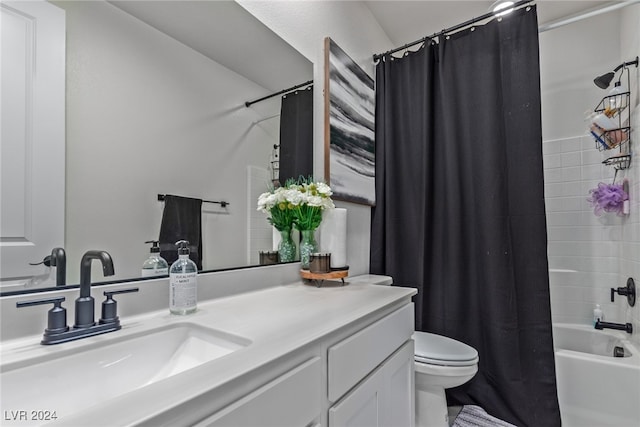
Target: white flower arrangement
(297,203)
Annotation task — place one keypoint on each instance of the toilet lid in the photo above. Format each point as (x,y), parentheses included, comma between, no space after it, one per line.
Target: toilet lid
(440,350)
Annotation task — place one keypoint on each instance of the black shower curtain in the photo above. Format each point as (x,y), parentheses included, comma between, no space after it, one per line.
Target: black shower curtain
(296,135)
(460,207)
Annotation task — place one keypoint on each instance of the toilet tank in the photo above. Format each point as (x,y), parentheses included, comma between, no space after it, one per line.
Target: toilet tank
(372,279)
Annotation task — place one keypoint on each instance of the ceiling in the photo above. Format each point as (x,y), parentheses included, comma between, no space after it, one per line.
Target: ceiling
(407,21)
(225,32)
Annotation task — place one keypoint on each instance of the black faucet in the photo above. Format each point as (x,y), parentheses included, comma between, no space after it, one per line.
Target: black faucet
(85,306)
(57,330)
(627,327)
(59,260)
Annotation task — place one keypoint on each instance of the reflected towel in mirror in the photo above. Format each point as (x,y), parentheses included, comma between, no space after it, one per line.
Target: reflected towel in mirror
(181,220)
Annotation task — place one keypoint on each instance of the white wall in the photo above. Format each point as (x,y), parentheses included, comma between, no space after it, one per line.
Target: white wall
(587,255)
(304,25)
(154,116)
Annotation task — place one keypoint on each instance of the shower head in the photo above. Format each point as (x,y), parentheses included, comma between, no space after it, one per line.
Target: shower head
(604,80)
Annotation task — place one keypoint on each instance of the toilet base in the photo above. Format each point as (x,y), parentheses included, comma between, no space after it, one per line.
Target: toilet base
(431,406)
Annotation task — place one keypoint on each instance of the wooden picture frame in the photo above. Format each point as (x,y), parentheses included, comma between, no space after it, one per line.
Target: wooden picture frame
(349,112)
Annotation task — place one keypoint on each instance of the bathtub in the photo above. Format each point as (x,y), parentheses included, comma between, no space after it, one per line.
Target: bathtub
(596,389)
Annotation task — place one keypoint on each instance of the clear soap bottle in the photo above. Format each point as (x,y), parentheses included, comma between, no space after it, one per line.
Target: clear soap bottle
(155,265)
(597,314)
(183,282)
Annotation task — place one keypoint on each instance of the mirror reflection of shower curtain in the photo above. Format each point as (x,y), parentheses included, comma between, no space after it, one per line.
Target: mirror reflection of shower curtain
(296,135)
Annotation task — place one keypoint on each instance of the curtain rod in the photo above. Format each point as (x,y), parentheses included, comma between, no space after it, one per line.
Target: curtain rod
(222,203)
(584,15)
(542,28)
(449,30)
(248,103)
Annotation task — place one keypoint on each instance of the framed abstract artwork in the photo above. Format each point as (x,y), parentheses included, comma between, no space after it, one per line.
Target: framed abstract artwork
(349,110)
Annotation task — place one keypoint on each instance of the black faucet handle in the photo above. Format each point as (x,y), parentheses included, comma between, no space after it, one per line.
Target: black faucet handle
(56,317)
(46,261)
(121,291)
(56,301)
(110,306)
(629,291)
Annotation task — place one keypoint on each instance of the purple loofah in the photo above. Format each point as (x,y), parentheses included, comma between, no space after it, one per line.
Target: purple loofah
(607,198)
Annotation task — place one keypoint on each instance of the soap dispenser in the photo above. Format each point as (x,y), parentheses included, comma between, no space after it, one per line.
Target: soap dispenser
(155,265)
(597,314)
(183,281)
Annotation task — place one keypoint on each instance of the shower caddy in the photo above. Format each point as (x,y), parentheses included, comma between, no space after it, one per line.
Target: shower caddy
(619,137)
(617,108)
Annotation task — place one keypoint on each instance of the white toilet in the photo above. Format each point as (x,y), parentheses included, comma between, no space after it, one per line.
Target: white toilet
(440,363)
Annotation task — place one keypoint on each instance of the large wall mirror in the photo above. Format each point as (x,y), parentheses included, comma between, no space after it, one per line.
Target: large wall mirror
(155,104)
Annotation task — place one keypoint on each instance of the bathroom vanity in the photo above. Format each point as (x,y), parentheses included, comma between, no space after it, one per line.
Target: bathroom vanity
(284,355)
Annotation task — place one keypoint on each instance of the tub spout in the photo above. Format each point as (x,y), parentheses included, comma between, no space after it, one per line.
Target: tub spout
(627,327)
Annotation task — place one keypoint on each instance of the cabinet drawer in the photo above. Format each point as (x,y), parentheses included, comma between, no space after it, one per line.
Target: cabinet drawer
(354,358)
(293,399)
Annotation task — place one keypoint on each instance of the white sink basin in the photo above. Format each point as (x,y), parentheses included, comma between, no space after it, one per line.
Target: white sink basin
(69,382)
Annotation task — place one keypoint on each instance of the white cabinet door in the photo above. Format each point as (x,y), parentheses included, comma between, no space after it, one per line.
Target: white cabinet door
(384,398)
(399,388)
(361,407)
(32,138)
(293,399)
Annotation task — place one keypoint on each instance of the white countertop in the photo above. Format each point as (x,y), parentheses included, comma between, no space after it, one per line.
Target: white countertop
(276,320)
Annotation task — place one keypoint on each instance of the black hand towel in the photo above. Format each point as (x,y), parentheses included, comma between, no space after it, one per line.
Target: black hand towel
(181,220)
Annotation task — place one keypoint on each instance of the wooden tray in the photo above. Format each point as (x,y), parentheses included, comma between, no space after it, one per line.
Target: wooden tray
(319,278)
(338,274)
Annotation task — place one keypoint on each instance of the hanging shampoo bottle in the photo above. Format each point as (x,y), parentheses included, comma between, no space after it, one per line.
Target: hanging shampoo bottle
(183,279)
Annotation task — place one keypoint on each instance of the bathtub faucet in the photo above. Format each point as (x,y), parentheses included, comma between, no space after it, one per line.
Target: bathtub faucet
(627,327)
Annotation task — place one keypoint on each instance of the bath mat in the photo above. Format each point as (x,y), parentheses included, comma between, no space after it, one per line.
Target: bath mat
(475,416)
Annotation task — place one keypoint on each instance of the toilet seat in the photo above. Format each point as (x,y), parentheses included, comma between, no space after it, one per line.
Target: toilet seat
(443,351)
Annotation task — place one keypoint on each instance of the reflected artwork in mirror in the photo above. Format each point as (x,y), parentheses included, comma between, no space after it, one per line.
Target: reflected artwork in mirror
(155,96)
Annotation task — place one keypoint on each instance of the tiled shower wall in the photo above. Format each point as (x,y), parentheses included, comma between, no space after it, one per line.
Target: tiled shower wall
(588,255)
(584,250)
